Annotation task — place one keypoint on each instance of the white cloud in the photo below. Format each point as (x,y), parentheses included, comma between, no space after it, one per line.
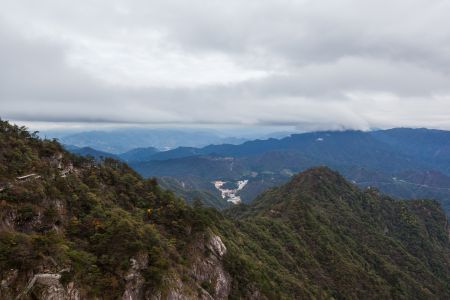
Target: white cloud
(314,64)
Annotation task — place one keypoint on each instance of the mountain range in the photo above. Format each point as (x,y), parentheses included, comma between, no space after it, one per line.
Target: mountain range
(72,227)
(403,162)
(134,155)
(117,141)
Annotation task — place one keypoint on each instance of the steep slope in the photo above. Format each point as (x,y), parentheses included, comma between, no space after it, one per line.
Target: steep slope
(319,235)
(71,228)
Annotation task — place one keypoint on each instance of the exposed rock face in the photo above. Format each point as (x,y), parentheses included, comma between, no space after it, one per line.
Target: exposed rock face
(134,288)
(176,291)
(209,271)
(208,279)
(52,289)
(41,286)
(216,246)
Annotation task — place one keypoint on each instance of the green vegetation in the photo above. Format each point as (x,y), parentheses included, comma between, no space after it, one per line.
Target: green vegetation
(318,237)
(93,220)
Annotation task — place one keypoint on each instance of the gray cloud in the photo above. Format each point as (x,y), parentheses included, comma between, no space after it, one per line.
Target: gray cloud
(311,64)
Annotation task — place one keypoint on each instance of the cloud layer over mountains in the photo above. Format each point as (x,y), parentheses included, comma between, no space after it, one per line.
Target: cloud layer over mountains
(311,64)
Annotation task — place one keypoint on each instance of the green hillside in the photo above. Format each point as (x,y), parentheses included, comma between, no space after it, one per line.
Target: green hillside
(71,227)
(320,234)
(84,221)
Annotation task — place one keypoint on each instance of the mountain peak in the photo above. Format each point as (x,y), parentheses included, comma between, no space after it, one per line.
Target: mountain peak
(318,171)
(319,185)
(317,176)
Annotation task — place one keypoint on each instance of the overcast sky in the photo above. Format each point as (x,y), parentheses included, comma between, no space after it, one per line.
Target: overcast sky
(311,64)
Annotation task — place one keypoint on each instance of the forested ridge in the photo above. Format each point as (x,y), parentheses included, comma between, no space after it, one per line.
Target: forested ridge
(74,228)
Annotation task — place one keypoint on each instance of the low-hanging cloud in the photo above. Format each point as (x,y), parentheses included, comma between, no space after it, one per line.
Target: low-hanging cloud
(310,64)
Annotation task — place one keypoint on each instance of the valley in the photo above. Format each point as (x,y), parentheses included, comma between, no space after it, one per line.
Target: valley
(388,160)
(380,159)
(103,231)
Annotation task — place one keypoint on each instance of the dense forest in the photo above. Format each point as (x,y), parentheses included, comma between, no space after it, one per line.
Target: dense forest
(76,228)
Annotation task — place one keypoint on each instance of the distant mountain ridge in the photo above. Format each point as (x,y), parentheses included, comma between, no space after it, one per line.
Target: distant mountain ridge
(88,151)
(122,140)
(139,154)
(403,162)
(388,159)
(135,155)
